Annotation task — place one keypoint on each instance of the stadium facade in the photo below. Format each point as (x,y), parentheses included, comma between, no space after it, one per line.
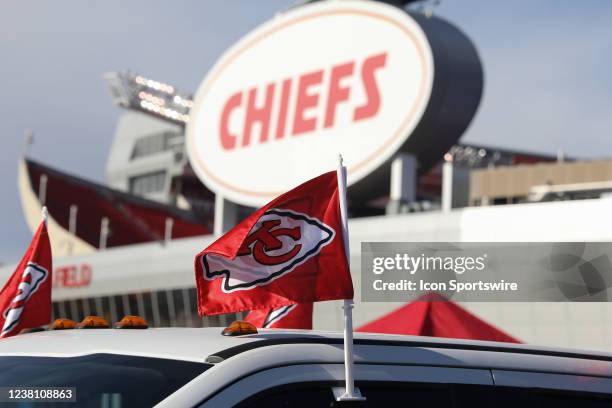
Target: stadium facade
(128,247)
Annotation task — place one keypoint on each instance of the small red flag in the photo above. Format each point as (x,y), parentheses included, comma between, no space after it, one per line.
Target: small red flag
(25,300)
(289,251)
(296,316)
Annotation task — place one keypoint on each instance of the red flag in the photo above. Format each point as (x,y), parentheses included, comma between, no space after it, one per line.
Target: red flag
(25,300)
(296,316)
(289,251)
(435,316)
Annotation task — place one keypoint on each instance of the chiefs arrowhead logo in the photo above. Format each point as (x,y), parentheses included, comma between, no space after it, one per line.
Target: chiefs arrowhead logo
(279,241)
(33,276)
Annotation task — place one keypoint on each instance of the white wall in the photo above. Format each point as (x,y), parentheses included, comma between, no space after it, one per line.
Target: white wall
(583,325)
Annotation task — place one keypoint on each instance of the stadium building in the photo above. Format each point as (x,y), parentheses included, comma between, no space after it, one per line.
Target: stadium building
(128,246)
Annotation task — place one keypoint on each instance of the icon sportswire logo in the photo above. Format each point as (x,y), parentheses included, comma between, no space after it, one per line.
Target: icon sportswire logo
(280,241)
(32,278)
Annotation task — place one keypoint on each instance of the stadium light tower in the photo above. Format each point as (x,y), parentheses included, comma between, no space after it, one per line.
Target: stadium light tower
(132,91)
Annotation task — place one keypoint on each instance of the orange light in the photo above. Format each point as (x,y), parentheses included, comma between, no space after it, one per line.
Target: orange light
(62,324)
(239,328)
(93,322)
(132,322)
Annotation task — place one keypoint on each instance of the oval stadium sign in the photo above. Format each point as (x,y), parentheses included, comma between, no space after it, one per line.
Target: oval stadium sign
(349,77)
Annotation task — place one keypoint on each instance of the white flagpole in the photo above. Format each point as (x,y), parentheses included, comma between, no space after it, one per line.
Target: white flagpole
(45,214)
(350,393)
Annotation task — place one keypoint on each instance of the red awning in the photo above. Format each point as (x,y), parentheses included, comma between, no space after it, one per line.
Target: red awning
(436,318)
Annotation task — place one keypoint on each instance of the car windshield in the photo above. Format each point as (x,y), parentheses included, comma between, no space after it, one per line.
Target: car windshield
(101,380)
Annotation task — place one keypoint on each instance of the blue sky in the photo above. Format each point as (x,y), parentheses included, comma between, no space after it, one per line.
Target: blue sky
(547,75)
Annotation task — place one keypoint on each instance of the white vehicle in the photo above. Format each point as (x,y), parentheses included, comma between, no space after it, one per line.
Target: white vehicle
(199,367)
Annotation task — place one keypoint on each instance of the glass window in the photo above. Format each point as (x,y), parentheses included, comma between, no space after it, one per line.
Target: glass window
(148,183)
(179,308)
(405,395)
(129,381)
(119,306)
(55,313)
(91,305)
(295,396)
(155,309)
(62,309)
(171,308)
(193,301)
(164,312)
(148,308)
(85,307)
(187,308)
(141,304)
(99,308)
(213,321)
(133,301)
(125,304)
(394,394)
(573,401)
(109,308)
(76,311)
(507,397)
(156,143)
(377,395)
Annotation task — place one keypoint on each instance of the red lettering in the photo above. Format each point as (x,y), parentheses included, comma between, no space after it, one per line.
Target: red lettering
(284,106)
(70,276)
(85,275)
(228,141)
(337,93)
(368,69)
(255,114)
(59,276)
(306,100)
(304,94)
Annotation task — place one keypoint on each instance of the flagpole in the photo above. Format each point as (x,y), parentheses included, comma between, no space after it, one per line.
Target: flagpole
(45,215)
(350,393)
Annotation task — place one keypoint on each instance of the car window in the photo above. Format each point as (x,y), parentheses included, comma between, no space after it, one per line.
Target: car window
(538,398)
(101,380)
(378,395)
(573,401)
(394,394)
(294,396)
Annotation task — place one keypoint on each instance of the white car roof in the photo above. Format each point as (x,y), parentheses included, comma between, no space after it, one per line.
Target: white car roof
(192,344)
(235,358)
(199,344)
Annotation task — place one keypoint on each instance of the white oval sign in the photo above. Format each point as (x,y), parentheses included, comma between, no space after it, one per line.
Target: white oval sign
(349,77)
